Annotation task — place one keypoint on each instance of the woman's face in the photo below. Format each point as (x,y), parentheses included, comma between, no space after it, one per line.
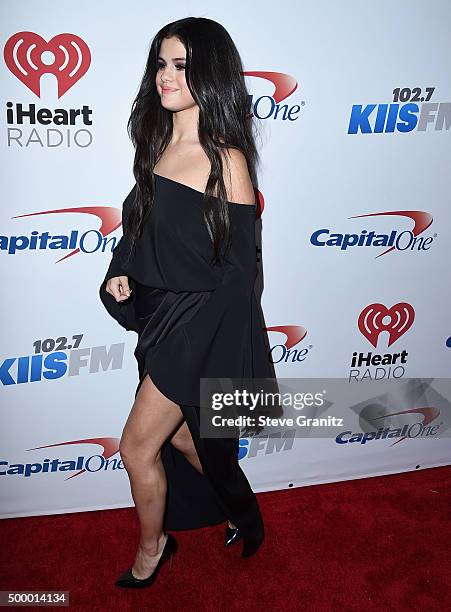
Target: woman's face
(170,78)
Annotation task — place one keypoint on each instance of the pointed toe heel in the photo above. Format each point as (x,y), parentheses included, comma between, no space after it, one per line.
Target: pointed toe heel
(127,579)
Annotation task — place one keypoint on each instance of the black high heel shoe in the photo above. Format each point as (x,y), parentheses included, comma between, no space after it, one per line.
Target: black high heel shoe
(232,535)
(128,580)
(250,545)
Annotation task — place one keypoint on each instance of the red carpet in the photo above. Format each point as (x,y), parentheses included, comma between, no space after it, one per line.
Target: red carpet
(372,544)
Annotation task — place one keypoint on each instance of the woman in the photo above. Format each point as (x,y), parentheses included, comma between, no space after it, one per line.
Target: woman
(182,277)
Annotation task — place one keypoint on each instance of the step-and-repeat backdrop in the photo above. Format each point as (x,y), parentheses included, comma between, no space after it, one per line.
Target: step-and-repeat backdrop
(353,102)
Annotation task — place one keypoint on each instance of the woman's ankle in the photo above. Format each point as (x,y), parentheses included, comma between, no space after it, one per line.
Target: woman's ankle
(155,546)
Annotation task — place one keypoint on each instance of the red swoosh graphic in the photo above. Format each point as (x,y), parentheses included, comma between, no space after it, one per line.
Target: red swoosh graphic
(110,447)
(260,201)
(429,413)
(110,219)
(421,221)
(293,333)
(284,84)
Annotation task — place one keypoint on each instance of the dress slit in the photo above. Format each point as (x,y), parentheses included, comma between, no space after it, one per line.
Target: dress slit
(222,491)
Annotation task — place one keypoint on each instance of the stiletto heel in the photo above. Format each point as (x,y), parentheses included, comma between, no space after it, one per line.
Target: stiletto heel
(232,535)
(250,545)
(129,581)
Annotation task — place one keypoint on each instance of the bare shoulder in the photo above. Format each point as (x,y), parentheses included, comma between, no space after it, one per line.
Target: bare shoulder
(237,179)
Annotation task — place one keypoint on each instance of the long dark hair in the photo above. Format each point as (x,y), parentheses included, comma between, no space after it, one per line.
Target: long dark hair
(214,75)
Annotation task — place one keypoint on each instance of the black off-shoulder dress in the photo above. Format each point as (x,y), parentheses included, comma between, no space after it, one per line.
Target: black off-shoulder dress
(194,320)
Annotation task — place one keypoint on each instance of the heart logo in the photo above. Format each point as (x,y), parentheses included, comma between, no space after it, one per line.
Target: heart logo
(68,59)
(370,323)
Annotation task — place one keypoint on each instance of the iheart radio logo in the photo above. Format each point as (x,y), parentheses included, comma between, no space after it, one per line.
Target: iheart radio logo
(68,58)
(371,321)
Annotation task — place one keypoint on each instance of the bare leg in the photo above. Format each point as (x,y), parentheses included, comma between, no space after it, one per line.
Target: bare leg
(183,441)
(152,419)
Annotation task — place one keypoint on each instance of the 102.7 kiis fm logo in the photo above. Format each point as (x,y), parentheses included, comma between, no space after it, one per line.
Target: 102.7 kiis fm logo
(412,109)
(56,358)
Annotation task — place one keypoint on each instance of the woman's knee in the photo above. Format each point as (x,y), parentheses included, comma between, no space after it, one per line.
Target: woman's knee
(136,453)
(152,419)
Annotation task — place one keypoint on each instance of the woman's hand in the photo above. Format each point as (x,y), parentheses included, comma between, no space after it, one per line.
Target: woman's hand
(118,287)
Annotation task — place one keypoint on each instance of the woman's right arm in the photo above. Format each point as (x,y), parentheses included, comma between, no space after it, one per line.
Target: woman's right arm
(116,280)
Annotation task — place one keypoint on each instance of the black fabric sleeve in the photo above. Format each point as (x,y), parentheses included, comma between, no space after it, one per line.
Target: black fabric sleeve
(122,247)
(122,312)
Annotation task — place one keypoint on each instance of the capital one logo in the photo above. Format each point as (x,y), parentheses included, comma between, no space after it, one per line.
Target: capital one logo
(83,462)
(28,56)
(376,318)
(91,240)
(285,352)
(269,106)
